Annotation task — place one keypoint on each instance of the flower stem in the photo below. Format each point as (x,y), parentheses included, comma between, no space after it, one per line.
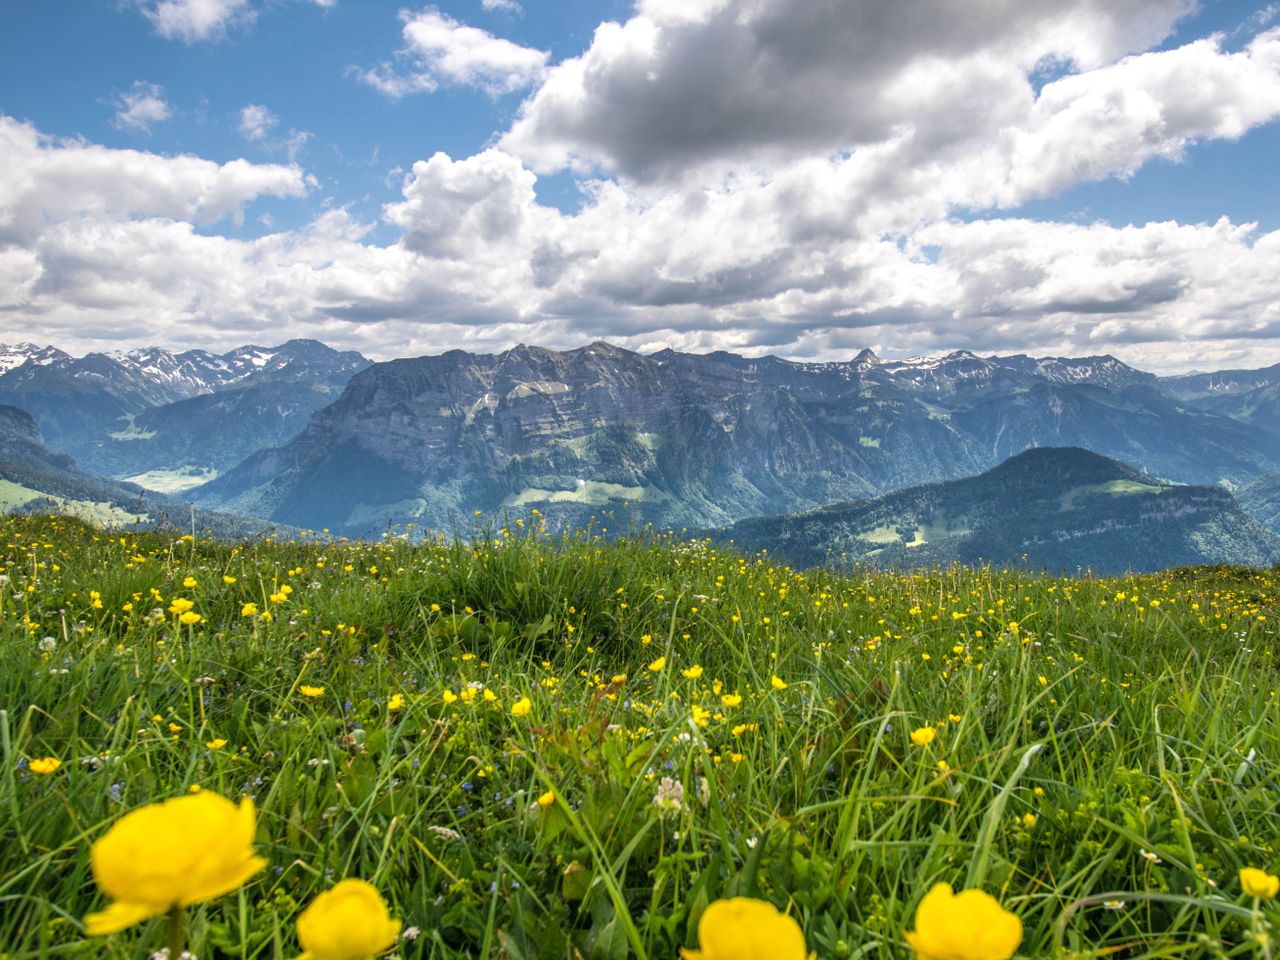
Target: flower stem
(175,932)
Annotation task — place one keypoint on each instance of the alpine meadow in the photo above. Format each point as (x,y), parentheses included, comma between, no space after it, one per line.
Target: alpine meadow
(639,480)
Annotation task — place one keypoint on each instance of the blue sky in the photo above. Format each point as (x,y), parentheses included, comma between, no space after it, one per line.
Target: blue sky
(765,177)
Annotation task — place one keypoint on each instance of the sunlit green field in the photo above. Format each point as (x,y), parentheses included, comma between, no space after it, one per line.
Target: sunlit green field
(699,725)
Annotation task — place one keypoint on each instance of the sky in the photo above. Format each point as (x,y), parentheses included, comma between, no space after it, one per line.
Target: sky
(797,177)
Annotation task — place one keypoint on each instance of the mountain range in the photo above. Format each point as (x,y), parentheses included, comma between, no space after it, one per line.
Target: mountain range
(312,437)
(704,440)
(171,421)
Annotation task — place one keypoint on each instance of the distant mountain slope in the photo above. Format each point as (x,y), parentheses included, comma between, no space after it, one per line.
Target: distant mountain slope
(1261,500)
(35,480)
(704,440)
(152,412)
(1054,508)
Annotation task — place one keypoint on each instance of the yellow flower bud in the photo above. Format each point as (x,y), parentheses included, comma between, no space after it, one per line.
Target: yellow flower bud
(349,922)
(172,854)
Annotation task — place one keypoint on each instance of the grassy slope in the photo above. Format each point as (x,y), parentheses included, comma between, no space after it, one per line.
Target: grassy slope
(1122,715)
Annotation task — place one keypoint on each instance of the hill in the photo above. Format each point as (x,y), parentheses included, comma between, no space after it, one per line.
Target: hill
(1056,509)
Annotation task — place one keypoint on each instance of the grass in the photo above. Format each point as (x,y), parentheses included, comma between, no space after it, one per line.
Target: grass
(1104,763)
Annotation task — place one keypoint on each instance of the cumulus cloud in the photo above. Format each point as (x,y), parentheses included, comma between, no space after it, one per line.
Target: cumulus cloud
(440,50)
(194,20)
(52,180)
(690,82)
(256,121)
(141,106)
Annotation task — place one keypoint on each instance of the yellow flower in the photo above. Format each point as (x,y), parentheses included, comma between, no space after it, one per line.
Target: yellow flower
(228,579)
(693,673)
(923,736)
(731,699)
(778,683)
(189,582)
(249,610)
(547,799)
(44,765)
(658,664)
(172,854)
(746,929)
(307,691)
(1255,883)
(349,922)
(449,697)
(522,707)
(396,702)
(970,925)
(190,618)
(700,715)
(180,605)
(216,744)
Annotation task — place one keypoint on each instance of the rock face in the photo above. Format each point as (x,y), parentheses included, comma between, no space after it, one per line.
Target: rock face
(1055,509)
(685,440)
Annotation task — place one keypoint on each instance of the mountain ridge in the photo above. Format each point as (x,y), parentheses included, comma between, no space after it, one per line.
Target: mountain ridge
(1058,509)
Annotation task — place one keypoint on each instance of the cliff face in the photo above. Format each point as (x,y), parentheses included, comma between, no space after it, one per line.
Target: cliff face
(686,440)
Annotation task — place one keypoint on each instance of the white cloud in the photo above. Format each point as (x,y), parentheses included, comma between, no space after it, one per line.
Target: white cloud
(256,121)
(687,83)
(440,50)
(506,6)
(825,227)
(194,20)
(143,105)
(49,180)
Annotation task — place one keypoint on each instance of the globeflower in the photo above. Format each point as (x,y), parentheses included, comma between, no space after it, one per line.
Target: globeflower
(970,925)
(1254,882)
(172,854)
(923,736)
(745,929)
(348,922)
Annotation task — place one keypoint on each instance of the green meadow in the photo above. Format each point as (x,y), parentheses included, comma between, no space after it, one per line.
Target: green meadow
(1100,755)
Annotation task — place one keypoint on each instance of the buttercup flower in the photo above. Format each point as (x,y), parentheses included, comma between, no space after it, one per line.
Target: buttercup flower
(970,925)
(522,707)
(1258,883)
(923,736)
(745,929)
(172,854)
(349,922)
(44,765)
(307,691)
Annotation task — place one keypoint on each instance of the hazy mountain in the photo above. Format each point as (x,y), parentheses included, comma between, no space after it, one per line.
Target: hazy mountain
(1055,508)
(152,413)
(689,440)
(34,479)
(1261,500)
